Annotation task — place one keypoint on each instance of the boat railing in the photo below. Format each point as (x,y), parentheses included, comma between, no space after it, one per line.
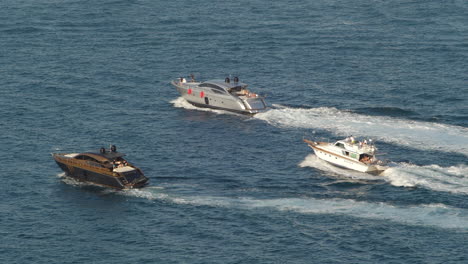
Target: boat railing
(178,82)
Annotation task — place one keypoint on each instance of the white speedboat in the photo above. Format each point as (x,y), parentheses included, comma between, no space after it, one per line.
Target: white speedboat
(350,154)
(227,94)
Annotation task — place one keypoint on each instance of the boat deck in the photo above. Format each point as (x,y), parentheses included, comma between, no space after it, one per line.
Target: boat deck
(124,169)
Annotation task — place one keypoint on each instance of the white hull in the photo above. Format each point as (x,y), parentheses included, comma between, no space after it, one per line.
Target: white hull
(349,164)
(331,154)
(204,97)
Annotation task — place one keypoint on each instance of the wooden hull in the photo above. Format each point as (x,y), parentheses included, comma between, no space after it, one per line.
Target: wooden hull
(100,176)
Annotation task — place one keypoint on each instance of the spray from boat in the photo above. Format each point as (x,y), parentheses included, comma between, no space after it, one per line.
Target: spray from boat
(453,179)
(408,133)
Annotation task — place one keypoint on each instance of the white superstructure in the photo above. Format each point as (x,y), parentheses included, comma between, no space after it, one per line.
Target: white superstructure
(348,153)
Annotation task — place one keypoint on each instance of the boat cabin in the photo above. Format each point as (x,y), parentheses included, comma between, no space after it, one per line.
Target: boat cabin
(356,151)
(104,159)
(97,160)
(226,87)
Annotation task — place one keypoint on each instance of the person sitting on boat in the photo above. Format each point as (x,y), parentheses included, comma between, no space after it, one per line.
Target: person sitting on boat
(249,94)
(192,77)
(365,159)
(244,92)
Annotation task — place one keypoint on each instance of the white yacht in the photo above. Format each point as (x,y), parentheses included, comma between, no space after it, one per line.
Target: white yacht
(350,154)
(227,94)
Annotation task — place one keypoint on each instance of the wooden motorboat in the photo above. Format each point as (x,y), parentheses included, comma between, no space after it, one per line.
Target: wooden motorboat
(107,168)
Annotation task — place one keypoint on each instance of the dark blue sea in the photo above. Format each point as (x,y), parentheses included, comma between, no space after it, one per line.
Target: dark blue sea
(224,188)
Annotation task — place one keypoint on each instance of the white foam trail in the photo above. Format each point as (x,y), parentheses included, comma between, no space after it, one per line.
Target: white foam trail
(427,214)
(182,103)
(145,193)
(71,181)
(438,215)
(452,179)
(415,134)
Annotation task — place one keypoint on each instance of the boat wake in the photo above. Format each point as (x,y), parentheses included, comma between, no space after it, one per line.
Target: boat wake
(438,215)
(72,181)
(149,193)
(452,179)
(414,134)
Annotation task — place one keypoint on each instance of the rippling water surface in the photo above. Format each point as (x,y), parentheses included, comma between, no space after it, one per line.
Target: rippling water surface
(78,75)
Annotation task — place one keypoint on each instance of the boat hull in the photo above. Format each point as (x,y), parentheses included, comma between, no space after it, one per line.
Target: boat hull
(99,178)
(244,112)
(341,161)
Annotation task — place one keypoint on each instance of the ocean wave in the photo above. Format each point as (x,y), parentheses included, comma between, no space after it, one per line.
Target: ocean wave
(386,111)
(452,179)
(409,133)
(22,30)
